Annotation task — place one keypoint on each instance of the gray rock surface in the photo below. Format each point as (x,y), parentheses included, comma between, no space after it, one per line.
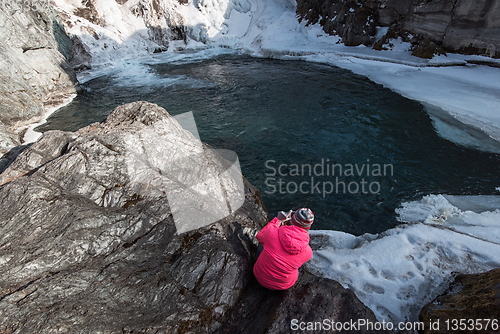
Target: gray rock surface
(460,25)
(352,20)
(89,241)
(466,26)
(8,139)
(34,72)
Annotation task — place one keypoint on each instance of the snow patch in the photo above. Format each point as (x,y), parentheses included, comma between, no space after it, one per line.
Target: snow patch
(381,31)
(31,135)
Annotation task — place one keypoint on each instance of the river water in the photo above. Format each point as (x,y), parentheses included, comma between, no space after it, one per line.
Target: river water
(306,134)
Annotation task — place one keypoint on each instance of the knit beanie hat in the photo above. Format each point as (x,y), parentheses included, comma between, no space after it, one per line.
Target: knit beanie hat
(303,218)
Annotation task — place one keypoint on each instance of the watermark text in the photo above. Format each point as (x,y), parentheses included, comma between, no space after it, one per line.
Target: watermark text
(325,178)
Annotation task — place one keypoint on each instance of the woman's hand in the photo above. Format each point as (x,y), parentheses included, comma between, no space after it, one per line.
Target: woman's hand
(284,216)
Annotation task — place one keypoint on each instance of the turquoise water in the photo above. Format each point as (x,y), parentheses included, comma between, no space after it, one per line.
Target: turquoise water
(312,119)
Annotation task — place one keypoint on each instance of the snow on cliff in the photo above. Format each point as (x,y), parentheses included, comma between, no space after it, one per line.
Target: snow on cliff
(111,30)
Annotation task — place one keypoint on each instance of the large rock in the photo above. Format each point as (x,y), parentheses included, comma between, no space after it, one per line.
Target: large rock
(312,305)
(34,72)
(474,28)
(466,26)
(91,238)
(470,297)
(88,240)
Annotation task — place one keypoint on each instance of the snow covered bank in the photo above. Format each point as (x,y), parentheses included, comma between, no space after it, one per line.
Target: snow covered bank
(397,272)
(116,30)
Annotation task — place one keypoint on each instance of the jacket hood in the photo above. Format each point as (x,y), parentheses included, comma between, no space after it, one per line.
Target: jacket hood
(293,238)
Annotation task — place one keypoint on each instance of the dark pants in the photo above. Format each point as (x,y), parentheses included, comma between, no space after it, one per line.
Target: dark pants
(260,248)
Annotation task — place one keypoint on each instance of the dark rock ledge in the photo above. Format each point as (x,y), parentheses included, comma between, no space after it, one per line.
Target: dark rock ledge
(88,242)
(470,297)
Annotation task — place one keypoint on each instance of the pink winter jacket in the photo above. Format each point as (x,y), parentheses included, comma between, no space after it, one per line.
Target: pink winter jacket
(286,248)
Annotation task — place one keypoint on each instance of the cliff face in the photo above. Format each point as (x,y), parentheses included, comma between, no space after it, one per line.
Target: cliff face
(464,26)
(34,72)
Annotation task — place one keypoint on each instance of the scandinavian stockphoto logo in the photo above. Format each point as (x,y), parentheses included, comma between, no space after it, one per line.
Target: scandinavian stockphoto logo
(325,177)
(203,185)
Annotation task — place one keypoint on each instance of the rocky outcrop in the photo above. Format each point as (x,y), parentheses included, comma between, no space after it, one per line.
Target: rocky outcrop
(91,237)
(461,25)
(464,26)
(470,297)
(312,305)
(34,72)
(88,239)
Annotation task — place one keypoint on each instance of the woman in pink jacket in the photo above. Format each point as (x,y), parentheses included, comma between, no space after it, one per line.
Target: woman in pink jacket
(285,249)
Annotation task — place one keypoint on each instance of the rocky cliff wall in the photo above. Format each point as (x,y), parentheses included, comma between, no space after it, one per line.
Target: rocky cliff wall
(34,72)
(465,26)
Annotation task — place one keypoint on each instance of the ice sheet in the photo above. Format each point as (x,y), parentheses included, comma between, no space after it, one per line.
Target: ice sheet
(31,135)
